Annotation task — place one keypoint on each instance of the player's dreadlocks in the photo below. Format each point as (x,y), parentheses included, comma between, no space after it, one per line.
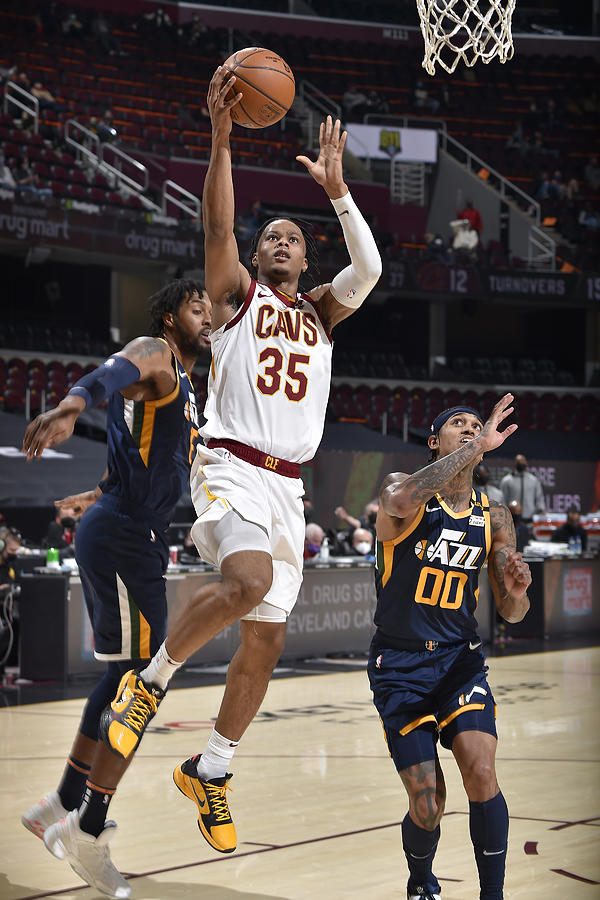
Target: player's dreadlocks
(169,299)
(307,279)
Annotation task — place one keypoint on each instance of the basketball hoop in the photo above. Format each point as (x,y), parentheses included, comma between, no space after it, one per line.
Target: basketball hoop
(467,30)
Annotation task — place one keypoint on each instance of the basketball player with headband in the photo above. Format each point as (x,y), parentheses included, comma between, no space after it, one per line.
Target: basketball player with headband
(426,667)
(268,391)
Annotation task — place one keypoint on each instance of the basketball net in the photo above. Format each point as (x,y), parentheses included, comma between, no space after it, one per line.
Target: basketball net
(467,30)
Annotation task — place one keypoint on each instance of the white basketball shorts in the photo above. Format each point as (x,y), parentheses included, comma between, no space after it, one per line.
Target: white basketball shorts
(220,482)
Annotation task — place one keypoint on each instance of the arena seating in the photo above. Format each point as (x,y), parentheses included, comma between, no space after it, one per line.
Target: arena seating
(390,404)
(157,95)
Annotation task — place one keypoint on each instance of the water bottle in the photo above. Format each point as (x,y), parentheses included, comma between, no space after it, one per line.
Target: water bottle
(324,551)
(52,558)
(578,547)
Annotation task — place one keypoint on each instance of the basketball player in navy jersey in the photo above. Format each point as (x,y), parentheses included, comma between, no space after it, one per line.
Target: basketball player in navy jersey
(426,667)
(122,550)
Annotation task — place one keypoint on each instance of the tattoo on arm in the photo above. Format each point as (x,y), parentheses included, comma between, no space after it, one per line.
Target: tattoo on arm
(502,521)
(501,518)
(144,347)
(425,483)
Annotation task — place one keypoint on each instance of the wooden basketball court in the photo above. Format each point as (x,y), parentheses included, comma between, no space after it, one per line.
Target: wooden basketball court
(316,799)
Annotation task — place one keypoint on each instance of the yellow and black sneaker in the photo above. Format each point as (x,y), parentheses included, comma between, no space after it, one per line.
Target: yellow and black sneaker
(214,818)
(124,721)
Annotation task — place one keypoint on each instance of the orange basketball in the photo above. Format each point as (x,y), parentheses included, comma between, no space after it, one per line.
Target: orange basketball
(266,83)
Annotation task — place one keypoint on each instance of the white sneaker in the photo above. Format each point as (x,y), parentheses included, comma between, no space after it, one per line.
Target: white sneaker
(88,856)
(43,814)
(424,896)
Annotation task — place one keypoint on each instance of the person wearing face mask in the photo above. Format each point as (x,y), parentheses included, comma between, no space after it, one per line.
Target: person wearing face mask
(313,538)
(525,487)
(481,478)
(61,532)
(362,542)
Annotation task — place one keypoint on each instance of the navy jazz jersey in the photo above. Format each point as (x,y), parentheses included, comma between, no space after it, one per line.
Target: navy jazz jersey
(151,445)
(427,578)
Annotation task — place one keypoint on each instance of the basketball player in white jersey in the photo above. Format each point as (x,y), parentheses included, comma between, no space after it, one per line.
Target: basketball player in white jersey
(265,413)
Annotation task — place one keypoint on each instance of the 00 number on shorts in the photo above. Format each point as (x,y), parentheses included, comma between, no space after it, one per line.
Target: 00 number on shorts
(445,588)
(296,382)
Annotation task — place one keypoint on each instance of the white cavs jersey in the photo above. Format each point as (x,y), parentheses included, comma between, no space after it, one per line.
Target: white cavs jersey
(270,376)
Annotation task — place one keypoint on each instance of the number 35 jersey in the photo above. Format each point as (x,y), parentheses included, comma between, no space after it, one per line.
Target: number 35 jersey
(270,374)
(427,578)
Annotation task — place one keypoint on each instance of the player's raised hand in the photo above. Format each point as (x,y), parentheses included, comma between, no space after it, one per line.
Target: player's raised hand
(219,100)
(327,168)
(490,435)
(517,575)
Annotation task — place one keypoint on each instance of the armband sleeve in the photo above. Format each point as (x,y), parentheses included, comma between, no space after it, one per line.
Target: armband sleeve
(114,374)
(354,283)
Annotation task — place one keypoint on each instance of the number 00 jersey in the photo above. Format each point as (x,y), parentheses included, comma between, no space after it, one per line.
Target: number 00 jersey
(270,375)
(427,578)
(150,448)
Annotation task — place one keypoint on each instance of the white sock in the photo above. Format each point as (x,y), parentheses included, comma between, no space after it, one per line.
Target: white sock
(161,668)
(216,758)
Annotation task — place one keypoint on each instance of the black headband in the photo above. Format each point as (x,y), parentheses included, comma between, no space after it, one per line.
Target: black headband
(444,416)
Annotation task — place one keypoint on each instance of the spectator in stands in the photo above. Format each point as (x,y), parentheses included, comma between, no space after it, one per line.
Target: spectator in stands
(518,141)
(521,530)
(465,238)
(354,103)
(72,26)
(7,182)
(27,181)
(10,542)
(23,81)
(195,31)
(313,538)
(423,100)
(362,543)
(437,251)
(588,218)
(103,32)
(61,531)
(592,173)
(472,215)
(542,192)
(481,477)
(539,148)
(160,19)
(248,222)
(104,127)
(367,520)
(525,487)
(45,98)
(377,105)
(571,530)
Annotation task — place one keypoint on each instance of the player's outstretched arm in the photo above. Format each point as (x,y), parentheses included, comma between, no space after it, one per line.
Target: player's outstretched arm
(350,287)
(224,275)
(509,574)
(145,362)
(403,499)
